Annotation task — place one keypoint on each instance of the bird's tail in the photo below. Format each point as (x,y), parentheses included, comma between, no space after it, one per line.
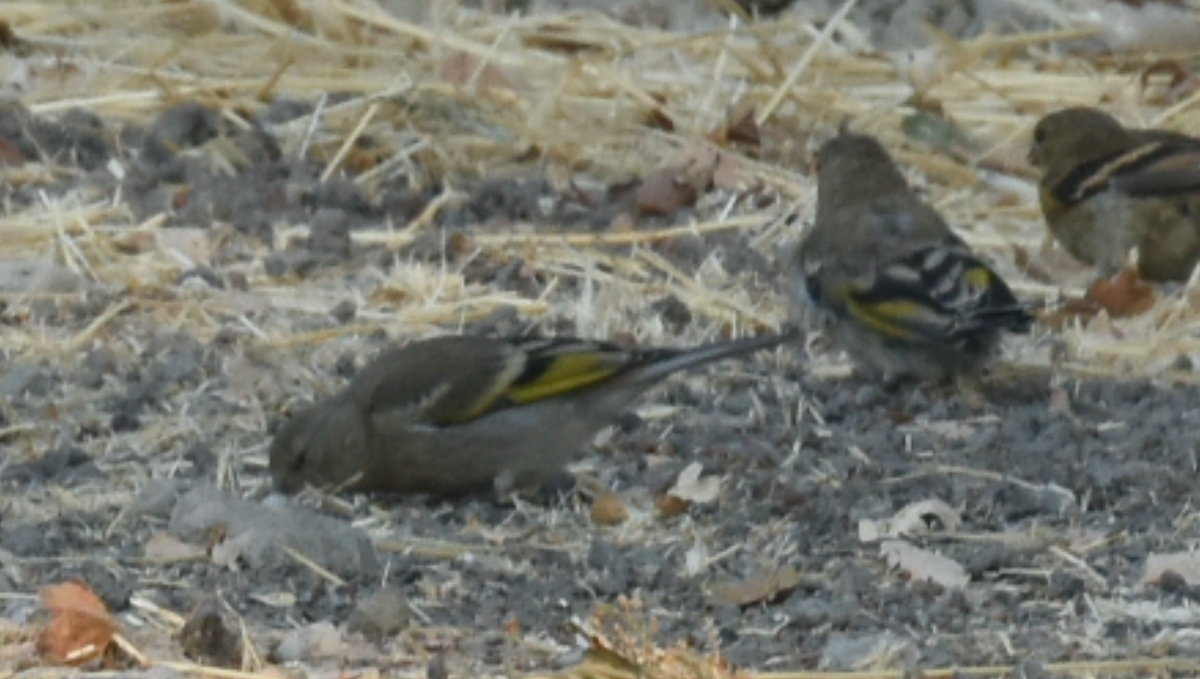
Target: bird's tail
(651,365)
(1014,318)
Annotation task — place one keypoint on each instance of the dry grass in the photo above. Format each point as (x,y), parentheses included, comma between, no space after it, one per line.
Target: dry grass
(532,85)
(575,92)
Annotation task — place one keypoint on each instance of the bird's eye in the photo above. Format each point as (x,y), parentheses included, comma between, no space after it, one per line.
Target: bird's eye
(1039,135)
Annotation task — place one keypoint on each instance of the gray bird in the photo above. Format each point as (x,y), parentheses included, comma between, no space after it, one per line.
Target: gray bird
(903,295)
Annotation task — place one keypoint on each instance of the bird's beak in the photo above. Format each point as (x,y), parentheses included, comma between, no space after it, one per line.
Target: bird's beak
(1034,157)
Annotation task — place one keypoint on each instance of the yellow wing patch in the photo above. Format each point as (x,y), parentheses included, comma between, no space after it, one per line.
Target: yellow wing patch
(978,277)
(879,315)
(565,374)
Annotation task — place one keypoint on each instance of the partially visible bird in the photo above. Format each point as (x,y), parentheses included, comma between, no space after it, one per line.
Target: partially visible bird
(1107,189)
(904,296)
(461,414)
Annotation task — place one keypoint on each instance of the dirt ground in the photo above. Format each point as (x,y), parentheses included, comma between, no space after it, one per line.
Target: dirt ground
(176,282)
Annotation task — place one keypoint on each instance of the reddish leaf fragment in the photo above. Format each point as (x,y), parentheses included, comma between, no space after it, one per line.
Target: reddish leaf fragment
(1125,294)
(80,628)
(669,190)
(740,128)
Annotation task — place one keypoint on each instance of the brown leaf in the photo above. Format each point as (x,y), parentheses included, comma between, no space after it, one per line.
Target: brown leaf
(663,192)
(762,585)
(740,128)
(670,506)
(728,175)
(80,628)
(1122,295)
(608,510)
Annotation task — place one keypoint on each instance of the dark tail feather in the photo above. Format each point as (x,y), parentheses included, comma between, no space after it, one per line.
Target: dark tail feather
(658,363)
(1013,318)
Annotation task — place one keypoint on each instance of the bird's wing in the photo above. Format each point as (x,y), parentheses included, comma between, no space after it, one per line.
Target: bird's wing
(1159,166)
(1174,172)
(453,380)
(939,293)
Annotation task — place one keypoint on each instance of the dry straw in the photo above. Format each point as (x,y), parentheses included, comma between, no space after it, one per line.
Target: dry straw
(574,97)
(574,92)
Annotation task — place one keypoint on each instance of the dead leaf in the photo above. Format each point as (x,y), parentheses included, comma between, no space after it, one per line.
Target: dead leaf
(669,506)
(763,585)
(668,190)
(619,649)
(694,488)
(163,548)
(664,192)
(80,628)
(608,510)
(1184,564)
(740,128)
(912,519)
(189,242)
(728,175)
(1125,294)
(924,565)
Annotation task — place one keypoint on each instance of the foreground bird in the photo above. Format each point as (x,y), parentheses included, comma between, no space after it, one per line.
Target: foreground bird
(455,415)
(1108,189)
(904,296)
